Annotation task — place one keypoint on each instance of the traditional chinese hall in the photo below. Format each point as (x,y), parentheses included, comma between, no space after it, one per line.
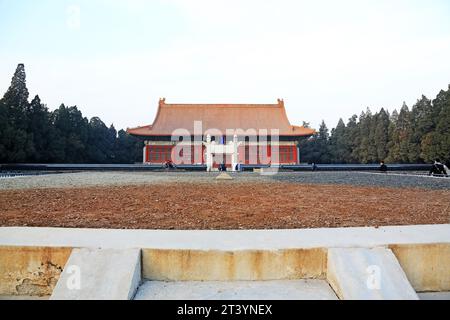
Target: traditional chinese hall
(221,133)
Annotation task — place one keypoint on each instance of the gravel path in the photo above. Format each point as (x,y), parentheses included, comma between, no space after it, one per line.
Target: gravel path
(370,179)
(90,179)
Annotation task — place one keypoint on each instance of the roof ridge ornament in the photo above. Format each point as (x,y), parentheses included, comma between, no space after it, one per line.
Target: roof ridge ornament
(280,102)
(162,101)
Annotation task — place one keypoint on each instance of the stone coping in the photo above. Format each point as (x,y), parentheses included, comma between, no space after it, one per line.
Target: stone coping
(224,240)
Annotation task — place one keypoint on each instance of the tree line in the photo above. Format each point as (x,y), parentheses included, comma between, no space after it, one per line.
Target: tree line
(29,132)
(419,134)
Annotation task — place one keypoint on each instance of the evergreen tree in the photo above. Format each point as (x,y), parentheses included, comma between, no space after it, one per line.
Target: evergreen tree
(70,136)
(14,138)
(366,152)
(38,129)
(432,148)
(128,149)
(339,146)
(435,143)
(4,129)
(100,143)
(402,136)
(381,137)
(322,144)
(422,123)
(112,138)
(352,139)
(16,97)
(392,147)
(443,127)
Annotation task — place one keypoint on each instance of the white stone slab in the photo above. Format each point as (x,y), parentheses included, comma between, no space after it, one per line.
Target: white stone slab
(224,176)
(241,290)
(103,274)
(434,296)
(23,298)
(367,274)
(225,240)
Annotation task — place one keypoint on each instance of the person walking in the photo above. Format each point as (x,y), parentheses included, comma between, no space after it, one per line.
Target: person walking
(438,168)
(383,167)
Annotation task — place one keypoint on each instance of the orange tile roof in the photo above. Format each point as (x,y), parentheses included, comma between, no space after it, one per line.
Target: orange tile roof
(220,116)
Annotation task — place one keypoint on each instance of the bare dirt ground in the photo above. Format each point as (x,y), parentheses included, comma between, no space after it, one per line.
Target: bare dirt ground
(275,205)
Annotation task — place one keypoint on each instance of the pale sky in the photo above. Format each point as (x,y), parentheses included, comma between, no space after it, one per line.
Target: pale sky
(327,59)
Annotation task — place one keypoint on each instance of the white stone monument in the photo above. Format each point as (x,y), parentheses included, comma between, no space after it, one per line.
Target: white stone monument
(213,149)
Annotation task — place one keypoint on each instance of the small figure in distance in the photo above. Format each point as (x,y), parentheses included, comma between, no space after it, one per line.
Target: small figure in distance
(314,166)
(169,165)
(383,167)
(438,168)
(222,167)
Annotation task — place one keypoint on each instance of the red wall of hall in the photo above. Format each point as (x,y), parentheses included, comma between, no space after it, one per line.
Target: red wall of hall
(287,154)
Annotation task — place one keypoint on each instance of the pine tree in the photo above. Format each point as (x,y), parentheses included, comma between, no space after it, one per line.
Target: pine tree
(16,97)
(366,150)
(431,147)
(443,128)
(401,143)
(422,124)
(436,144)
(353,139)
(128,149)
(315,149)
(70,136)
(39,128)
(339,145)
(100,144)
(392,147)
(4,129)
(381,137)
(111,137)
(322,144)
(14,138)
